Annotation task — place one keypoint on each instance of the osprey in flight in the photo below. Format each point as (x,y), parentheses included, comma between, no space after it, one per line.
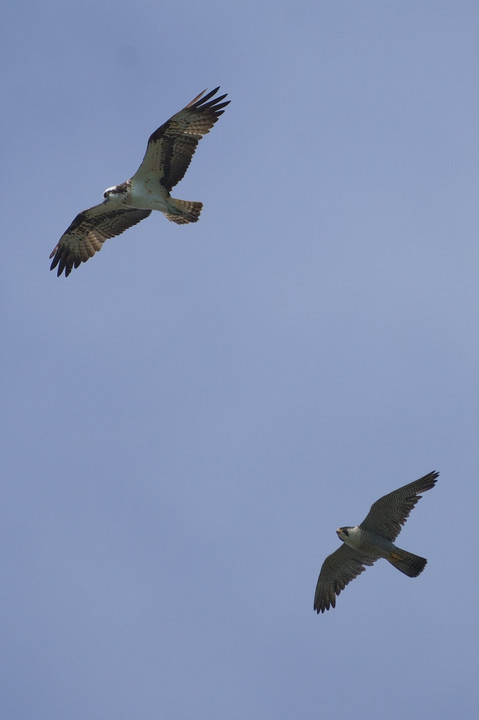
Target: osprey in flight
(168,155)
(373,539)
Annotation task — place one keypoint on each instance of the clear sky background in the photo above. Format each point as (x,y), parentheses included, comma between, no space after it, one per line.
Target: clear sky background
(190,416)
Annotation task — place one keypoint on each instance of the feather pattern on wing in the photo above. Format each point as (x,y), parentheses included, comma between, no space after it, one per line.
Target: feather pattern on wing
(171,147)
(88,232)
(388,514)
(339,568)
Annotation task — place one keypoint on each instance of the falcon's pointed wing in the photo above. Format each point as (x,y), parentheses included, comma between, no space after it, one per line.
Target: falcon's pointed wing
(337,571)
(388,514)
(88,232)
(171,147)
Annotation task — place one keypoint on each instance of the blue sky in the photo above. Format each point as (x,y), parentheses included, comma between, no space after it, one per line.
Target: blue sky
(190,416)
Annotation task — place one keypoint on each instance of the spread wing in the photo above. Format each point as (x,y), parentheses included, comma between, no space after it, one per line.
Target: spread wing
(337,571)
(388,514)
(171,147)
(88,232)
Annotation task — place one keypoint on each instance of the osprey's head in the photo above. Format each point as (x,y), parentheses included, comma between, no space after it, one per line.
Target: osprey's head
(115,191)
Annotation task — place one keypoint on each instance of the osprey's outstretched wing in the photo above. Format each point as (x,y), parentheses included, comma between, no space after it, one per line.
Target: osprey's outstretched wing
(88,232)
(171,147)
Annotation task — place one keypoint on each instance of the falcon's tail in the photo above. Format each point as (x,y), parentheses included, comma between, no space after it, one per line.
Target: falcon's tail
(183,211)
(406,562)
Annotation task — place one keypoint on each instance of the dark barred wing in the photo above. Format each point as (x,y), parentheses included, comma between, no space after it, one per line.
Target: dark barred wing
(388,514)
(171,147)
(337,571)
(88,232)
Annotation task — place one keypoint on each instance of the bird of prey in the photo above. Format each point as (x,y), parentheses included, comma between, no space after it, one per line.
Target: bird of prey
(373,539)
(167,157)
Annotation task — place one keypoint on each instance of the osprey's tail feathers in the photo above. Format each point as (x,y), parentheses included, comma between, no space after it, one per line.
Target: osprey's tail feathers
(184,211)
(406,562)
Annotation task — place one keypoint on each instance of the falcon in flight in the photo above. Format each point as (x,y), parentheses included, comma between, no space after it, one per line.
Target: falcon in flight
(373,539)
(167,157)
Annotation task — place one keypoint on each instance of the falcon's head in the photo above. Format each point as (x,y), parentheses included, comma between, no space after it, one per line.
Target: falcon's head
(343,533)
(350,535)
